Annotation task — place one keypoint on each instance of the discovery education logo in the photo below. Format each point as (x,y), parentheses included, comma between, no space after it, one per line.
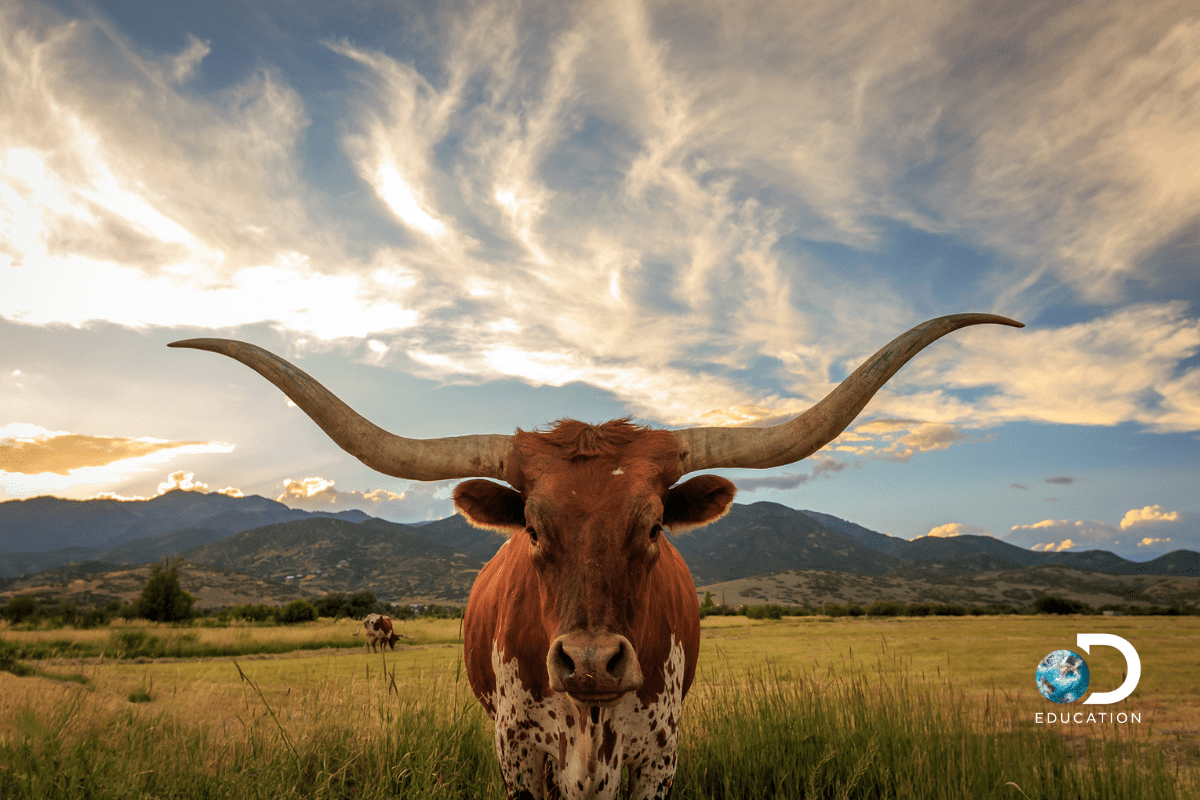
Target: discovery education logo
(1063,677)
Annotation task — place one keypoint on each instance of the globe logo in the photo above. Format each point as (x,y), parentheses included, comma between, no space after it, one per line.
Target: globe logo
(1062,676)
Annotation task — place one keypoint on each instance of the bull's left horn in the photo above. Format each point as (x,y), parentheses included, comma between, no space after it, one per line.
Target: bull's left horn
(476,456)
(787,443)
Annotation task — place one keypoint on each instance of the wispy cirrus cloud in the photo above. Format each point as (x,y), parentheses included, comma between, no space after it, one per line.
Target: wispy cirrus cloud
(637,197)
(897,439)
(826,467)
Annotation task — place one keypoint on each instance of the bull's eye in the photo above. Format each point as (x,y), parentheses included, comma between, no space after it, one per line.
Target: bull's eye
(532,534)
(654,532)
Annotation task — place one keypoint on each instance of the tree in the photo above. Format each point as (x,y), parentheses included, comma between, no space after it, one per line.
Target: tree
(163,599)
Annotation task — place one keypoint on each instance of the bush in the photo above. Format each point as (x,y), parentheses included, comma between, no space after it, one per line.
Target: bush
(1050,604)
(949,610)
(434,611)
(8,659)
(298,611)
(354,606)
(20,608)
(768,611)
(885,608)
(251,612)
(92,618)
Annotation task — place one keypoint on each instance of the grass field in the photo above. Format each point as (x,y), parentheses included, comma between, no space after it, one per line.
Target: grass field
(799,707)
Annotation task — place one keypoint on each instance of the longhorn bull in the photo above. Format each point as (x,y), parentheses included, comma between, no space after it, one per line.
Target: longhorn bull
(581,635)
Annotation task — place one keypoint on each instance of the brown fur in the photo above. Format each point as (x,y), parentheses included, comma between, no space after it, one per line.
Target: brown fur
(585,560)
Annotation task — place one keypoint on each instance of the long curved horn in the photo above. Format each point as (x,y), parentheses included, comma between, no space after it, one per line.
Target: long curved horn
(477,456)
(787,443)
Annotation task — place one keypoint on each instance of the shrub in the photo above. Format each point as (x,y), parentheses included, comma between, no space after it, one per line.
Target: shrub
(355,606)
(92,618)
(298,611)
(949,610)
(8,660)
(20,608)
(768,611)
(885,608)
(1050,604)
(251,612)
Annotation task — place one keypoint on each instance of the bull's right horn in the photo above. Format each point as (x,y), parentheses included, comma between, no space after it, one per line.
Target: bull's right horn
(477,456)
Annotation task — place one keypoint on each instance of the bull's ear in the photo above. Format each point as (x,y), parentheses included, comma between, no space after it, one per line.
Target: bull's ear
(697,502)
(489,505)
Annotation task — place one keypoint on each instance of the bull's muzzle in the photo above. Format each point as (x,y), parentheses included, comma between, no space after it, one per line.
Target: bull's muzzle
(593,668)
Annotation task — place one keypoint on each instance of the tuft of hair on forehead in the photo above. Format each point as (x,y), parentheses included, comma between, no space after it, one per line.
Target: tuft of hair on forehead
(575,439)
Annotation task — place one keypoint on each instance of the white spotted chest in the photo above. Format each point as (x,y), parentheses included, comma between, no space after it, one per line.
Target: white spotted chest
(541,743)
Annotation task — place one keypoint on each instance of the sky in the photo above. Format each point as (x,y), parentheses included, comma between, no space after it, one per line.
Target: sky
(478,217)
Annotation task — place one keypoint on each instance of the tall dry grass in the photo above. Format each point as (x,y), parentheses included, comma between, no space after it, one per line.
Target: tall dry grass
(866,720)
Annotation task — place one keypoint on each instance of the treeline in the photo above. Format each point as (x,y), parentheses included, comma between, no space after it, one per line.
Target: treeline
(893,608)
(335,605)
(27,610)
(164,600)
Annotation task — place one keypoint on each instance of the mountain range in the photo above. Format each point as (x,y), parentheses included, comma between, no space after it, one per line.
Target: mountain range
(311,553)
(41,533)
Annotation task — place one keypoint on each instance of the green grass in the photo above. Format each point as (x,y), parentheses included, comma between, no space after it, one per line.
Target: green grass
(851,709)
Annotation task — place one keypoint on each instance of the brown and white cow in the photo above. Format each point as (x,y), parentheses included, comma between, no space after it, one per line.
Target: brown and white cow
(581,635)
(379,631)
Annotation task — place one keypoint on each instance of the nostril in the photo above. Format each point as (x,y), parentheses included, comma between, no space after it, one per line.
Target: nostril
(562,663)
(616,663)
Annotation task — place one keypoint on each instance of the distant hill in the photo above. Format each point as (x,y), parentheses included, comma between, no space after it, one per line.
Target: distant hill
(96,584)
(937,584)
(325,555)
(44,532)
(303,553)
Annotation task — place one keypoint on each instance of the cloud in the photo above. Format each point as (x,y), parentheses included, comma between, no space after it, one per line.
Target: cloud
(412,502)
(1054,547)
(1154,530)
(1149,542)
(178,480)
(1056,535)
(1148,515)
(952,529)
(38,460)
(898,439)
(1119,368)
(826,467)
(1017,486)
(1061,480)
(184,64)
(185,481)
